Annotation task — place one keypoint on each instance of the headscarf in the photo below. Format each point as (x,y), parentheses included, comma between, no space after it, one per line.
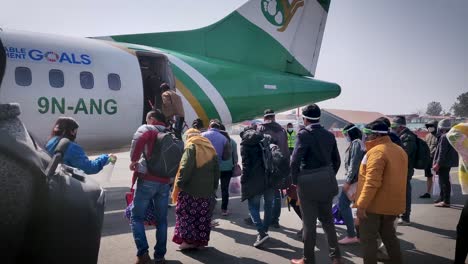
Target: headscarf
(205,152)
(458,138)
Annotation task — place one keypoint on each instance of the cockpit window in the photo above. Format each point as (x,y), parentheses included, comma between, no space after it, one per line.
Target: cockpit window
(56,78)
(23,76)
(87,80)
(114,81)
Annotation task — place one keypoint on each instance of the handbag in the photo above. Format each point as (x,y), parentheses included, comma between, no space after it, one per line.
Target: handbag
(150,219)
(237,171)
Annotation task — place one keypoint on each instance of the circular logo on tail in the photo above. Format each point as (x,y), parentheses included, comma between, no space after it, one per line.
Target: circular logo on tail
(280,12)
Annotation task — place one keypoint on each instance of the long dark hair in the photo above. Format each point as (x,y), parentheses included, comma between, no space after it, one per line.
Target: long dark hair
(64,127)
(354,132)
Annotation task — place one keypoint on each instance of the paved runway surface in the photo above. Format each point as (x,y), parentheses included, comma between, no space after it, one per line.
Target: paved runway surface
(430,239)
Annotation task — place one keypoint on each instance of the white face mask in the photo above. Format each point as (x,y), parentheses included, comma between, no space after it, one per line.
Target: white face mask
(431,129)
(290,129)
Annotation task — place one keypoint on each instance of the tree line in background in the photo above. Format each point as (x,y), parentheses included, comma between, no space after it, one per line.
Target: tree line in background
(459,108)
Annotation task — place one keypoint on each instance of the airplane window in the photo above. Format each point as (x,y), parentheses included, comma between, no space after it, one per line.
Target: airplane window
(86,80)
(23,76)
(56,78)
(114,81)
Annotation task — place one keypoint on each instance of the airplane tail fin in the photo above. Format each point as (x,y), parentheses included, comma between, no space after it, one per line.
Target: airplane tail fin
(282,35)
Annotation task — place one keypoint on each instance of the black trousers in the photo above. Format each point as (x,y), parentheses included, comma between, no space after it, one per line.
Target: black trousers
(311,210)
(225,180)
(444,184)
(461,249)
(296,208)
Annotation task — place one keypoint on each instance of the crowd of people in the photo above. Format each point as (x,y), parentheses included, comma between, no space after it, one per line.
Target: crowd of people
(379,164)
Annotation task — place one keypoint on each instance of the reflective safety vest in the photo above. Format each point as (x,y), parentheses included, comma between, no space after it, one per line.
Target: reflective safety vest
(291,139)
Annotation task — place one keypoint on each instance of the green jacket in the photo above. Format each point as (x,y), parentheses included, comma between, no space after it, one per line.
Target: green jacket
(198,182)
(291,139)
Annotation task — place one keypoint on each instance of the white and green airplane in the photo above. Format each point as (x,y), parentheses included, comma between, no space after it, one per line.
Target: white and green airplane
(263,55)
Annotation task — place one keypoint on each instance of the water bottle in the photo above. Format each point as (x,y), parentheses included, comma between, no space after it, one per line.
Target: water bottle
(109,169)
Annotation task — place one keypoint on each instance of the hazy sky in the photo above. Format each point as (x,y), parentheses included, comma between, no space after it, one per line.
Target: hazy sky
(390,56)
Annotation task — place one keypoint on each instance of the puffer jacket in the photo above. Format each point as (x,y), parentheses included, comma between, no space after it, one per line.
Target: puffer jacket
(277,133)
(253,180)
(143,142)
(382,178)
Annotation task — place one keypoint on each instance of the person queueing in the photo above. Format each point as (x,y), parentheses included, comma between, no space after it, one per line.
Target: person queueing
(353,156)
(173,108)
(431,141)
(279,137)
(381,193)
(148,187)
(445,158)
(314,164)
(254,183)
(194,189)
(74,156)
(227,167)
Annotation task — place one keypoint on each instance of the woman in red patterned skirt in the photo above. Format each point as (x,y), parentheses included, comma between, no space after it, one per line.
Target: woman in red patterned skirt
(194,190)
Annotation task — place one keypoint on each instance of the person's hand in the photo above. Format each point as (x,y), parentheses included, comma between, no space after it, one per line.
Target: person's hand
(112,158)
(436,168)
(133,166)
(346,187)
(361,213)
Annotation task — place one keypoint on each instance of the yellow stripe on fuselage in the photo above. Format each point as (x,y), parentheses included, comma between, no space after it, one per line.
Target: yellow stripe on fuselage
(192,100)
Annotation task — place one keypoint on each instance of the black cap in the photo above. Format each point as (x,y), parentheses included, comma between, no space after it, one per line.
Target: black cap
(311,112)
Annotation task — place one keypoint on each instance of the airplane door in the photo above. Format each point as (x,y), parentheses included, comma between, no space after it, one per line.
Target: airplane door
(2,61)
(155,70)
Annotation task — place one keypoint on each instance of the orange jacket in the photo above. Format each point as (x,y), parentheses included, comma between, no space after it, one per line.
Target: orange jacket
(382,178)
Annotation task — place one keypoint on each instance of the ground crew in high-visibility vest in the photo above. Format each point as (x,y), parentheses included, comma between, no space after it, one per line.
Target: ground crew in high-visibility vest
(291,137)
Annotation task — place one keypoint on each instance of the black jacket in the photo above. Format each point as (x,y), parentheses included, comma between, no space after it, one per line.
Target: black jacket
(445,155)
(253,180)
(277,133)
(409,144)
(307,154)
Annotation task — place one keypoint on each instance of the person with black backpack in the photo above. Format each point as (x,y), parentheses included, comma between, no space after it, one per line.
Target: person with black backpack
(279,138)
(254,182)
(151,184)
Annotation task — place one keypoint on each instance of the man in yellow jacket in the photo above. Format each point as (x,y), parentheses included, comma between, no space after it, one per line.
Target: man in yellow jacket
(381,193)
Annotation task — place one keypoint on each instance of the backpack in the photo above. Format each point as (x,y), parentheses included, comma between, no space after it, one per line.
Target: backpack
(276,165)
(165,156)
(423,154)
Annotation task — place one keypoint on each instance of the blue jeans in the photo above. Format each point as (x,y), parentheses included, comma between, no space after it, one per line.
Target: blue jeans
(276,211)
(159,193)
(254,208)
(347,214)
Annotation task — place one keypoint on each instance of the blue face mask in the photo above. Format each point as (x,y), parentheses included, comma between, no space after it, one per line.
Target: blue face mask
(348,139)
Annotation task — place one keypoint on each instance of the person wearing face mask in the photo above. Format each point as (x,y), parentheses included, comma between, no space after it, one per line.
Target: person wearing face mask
(409,144)
(353,156)
(291,137)
(74,156)
(381,192)
(431,140)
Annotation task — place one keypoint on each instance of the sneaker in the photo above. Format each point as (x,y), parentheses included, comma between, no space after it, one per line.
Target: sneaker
(348,240)
(275,225)
(248,221)
(442,204)
(261,238)
(438,201)
(224,212)
(403,222)
(425,196)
